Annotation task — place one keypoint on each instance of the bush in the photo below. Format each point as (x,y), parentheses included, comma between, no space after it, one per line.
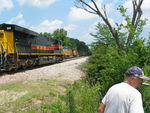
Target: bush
(82,98)
(106,67)
(57,107)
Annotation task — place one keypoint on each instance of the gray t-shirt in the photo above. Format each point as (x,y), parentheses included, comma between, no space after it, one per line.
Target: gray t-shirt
(123,98)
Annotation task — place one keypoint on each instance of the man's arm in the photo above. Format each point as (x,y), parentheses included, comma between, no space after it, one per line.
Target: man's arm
(101,108)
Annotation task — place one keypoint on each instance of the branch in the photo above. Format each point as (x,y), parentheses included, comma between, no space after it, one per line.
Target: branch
(105,11)
(138,18)
(86,9)
(134,11)
(96,10)
(82,1)
(137,13)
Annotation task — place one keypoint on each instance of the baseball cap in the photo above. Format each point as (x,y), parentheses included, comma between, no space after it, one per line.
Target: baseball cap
(137,72)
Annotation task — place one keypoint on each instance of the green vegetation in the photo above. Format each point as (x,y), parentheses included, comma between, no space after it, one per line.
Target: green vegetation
(83,98)
(79,98)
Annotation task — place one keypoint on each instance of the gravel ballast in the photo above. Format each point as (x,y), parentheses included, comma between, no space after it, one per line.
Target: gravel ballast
(65,71)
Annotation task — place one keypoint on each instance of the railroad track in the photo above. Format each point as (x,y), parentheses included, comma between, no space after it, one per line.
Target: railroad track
(35,67)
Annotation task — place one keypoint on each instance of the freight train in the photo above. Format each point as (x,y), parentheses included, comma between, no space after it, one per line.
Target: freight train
(22,48)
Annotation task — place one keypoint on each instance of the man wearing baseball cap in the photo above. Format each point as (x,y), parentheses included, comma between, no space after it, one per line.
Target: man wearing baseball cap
(124,97)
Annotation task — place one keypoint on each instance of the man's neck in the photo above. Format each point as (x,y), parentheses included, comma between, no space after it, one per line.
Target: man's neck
(129,83)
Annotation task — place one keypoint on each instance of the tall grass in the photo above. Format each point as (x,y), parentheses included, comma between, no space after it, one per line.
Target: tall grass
(79,98)
(82,98)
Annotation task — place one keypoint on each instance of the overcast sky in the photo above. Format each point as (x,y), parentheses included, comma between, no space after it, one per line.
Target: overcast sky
(48,15)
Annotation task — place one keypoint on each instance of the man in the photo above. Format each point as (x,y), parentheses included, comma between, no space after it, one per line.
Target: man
(124,97)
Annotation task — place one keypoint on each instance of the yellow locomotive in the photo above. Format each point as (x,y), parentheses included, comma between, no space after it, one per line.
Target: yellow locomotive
(67,53)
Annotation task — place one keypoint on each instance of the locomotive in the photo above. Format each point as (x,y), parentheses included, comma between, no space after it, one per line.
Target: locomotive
(69,53)
(22,48)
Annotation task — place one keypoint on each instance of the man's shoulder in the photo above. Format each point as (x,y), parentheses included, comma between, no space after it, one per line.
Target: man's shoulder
(119,85)
(124,87)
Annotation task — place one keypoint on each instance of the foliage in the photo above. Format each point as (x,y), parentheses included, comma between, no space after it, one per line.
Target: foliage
(106,66)
(82,98)
(145,90)
(103,35)
(45,34)
(132,30)
(79,98)
(60,34)
(56,107)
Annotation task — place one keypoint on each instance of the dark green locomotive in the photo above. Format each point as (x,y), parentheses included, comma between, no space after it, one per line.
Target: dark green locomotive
(21,47)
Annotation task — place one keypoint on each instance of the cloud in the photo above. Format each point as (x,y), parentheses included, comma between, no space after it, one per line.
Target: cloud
(70,27)
(37,3)
(80,14)
(50,26)
(6,4)
(87,38)
(146,9)
(19,20)
(145,5)
(112,6)
(47,26)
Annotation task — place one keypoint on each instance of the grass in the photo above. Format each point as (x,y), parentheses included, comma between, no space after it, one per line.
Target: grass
(28,96)
(49,96)
(82,98)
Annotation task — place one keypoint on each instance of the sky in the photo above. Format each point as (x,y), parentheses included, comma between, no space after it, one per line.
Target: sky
(49,15)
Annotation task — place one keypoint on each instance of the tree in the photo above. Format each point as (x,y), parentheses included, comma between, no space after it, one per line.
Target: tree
(73,44)
(82,48)
(103,35)
(60,34)
(132,23)
(45,34)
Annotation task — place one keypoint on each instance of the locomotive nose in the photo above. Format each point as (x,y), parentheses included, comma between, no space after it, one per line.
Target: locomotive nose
(1,38)
(1,34)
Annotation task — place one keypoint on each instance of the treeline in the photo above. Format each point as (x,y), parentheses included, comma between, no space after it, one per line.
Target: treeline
(71,43)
